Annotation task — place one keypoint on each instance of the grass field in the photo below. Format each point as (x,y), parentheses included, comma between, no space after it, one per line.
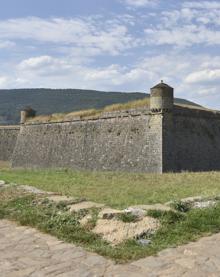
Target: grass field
(118,190)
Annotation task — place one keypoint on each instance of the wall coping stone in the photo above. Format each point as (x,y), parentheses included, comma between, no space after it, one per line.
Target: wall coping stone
(10,127)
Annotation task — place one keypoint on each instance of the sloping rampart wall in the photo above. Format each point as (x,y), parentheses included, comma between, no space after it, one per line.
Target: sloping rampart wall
(138,142)
(197,140)
(123,143)
(8,137)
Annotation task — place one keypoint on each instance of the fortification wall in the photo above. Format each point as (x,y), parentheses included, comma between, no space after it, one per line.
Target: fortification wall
(197,140)
(130,142)
(168,138)
(8,137)
(184,139)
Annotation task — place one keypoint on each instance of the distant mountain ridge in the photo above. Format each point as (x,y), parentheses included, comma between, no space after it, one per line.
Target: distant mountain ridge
(48,101)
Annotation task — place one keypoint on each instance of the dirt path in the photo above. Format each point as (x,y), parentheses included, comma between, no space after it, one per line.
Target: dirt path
(25,252)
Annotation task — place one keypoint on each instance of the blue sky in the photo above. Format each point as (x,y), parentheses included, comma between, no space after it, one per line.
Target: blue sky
(117,45)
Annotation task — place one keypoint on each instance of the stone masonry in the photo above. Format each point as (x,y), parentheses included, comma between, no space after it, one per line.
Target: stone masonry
(162,138)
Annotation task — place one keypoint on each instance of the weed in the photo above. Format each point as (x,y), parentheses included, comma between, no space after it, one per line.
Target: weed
(181,206)
(166,217)
(94,217)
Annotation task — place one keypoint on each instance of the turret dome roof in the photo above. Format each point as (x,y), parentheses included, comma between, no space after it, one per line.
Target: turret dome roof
(162,85)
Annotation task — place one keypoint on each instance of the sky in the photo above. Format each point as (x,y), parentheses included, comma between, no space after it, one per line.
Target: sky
(112,45)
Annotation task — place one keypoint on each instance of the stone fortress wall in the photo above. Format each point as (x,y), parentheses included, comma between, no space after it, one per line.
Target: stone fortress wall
(196,135)
(8,138)
(164,138)
(126,143)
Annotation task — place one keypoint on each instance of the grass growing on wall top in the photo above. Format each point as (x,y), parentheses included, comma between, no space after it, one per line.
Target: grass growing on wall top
(119,190)
(90,112)
(129,105)
(135,104)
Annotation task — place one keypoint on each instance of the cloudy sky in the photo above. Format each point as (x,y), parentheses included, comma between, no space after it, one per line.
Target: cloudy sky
(126,45)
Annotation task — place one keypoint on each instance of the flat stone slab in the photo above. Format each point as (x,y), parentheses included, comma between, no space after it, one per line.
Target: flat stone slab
(197,202)
(2,183)
(203,204)
(116,231)
(84,206)
(108,213)
(60,198)
(85,219)
(35,190)
(137,212)
(160,207)
(25,252)
(189,200)
(192,199)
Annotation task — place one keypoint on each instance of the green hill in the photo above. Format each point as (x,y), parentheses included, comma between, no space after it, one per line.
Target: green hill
(49,101)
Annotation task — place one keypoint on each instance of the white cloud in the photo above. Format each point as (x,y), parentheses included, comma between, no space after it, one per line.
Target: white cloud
(183,36)
(186,15)
(36,62)
(192,24)
(195,77)
(150,69)
(60,53)
(202,4)
(91,35)
(208,75)
(140,3)
(45,65)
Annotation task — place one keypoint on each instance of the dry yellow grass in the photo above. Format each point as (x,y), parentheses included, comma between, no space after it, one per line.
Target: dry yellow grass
(82,114)
(40,118)
(129,105)
(58,117)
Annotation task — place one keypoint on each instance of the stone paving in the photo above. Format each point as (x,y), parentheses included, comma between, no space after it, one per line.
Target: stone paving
(25,252)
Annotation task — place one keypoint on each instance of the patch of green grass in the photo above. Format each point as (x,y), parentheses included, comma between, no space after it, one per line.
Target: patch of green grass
(127,217)
(119,190)
(167,217)
(175,228)
(94,217)
(181,206)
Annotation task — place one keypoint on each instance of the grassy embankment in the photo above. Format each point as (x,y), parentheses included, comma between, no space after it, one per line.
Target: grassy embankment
(58,117)
(117,190)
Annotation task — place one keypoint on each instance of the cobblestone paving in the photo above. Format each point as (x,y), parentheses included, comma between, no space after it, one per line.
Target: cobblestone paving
(25,252)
